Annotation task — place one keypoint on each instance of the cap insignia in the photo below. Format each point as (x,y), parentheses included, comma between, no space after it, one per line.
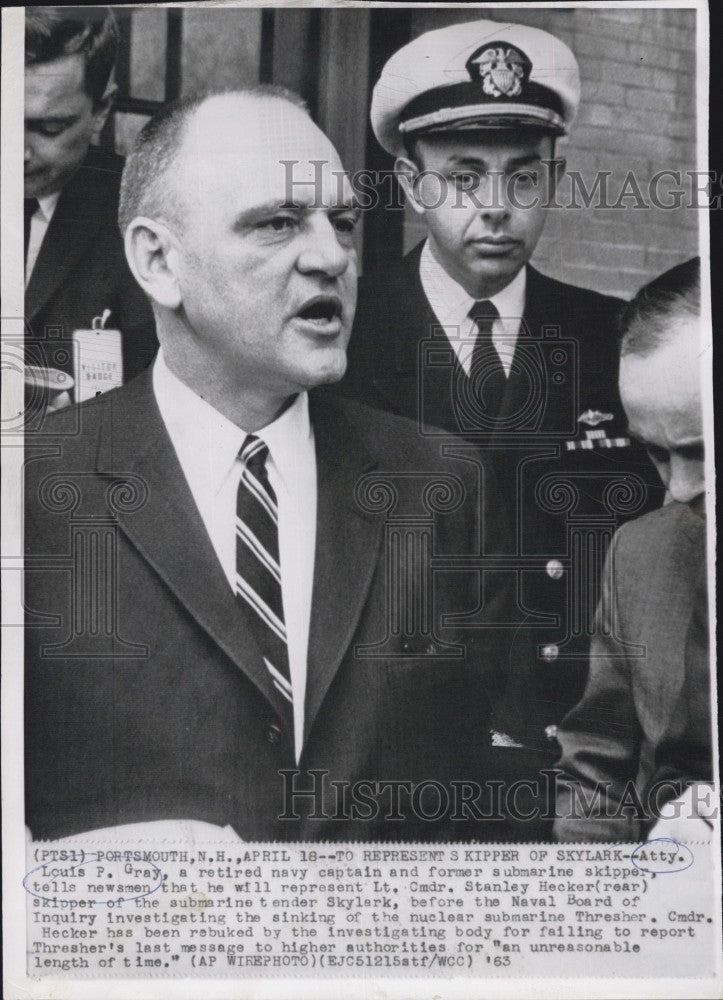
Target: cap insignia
(502,68)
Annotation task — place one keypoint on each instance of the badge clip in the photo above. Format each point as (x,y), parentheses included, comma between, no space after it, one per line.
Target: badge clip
(98,322)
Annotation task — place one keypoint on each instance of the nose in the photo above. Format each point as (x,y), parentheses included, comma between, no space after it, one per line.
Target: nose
(492,198)
(27,147)
(323,252)
(687,479)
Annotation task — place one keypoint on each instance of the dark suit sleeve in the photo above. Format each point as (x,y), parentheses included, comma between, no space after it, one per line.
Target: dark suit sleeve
(600,737)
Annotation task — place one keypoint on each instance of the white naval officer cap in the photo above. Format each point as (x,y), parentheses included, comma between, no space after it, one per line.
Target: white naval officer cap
(477,75)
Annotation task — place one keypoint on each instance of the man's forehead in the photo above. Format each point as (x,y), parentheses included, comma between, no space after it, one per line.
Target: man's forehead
(255,157)
(666,380)
(488,143)
(254,127)
(51,85)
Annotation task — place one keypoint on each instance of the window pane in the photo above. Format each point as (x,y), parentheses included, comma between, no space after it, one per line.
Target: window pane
(220,48)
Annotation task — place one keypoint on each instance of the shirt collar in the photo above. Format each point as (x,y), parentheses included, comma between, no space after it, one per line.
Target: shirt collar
(207,443)
(289,437)
(451,303)
(48,204)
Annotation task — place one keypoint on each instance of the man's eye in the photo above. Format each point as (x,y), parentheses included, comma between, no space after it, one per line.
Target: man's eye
(345,223)
(661,455)
(51,128)
(692,452)
(278,223)
(526,178)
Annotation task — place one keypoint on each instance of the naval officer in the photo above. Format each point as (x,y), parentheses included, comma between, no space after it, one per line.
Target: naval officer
(465,335)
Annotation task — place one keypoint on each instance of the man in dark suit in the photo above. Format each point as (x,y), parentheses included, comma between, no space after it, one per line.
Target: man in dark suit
(639,744)
(250,622)
(76,274)
(465,335)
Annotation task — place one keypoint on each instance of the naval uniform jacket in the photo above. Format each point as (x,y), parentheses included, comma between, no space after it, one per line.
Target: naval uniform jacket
(81,271)
(146,694)
(568,474)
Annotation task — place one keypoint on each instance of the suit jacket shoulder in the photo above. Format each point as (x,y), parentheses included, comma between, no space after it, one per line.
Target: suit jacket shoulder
(647,585)
(588,316)
(81,271)
(575,296)
(396,442)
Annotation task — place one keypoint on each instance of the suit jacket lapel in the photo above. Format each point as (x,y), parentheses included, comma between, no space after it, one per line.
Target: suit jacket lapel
(347,545)
(77,218)
(168,530)
(427,385)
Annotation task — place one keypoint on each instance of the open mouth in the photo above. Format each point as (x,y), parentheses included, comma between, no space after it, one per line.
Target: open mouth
(322,309)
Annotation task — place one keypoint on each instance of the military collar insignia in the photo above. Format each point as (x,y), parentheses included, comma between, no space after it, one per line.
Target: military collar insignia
(503,69)
(594,417)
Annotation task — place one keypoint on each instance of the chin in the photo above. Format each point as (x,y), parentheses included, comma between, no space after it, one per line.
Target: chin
(328,374)
(495,276)
(32,189)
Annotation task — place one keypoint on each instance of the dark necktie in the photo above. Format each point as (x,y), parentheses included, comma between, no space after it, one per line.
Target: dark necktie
(30,207)
(258,571)
(487,376)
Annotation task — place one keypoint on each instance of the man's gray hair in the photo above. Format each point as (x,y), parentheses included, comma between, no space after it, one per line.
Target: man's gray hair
(645,322)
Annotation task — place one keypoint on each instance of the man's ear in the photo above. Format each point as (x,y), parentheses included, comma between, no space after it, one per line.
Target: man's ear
(102,109)
(152,255)
(407,173)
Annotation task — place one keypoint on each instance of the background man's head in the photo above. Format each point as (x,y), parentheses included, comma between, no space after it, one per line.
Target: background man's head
(471,113)
(69,58)
(239,224)
(660,378)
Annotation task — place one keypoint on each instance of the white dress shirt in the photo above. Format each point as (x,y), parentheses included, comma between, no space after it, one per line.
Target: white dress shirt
(38,228)
(207,445)
(451,305)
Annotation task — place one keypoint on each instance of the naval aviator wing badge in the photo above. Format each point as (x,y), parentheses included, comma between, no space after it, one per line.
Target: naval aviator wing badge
(596,438)
(594,417)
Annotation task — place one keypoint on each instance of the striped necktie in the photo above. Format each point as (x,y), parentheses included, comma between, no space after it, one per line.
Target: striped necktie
(486,372)
(258,571)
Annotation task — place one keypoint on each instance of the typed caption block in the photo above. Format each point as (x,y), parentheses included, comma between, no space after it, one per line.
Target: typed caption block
(167,909)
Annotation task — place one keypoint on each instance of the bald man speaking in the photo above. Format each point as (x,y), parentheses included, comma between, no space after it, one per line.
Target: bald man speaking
(233,646)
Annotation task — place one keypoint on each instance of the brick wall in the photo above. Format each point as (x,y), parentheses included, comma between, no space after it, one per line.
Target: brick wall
(637,114)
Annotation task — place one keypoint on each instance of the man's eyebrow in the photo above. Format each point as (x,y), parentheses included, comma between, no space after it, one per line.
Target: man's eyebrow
(51,119)
(266,208)
(281,205)
(523,161)
(467,161)
(481,164)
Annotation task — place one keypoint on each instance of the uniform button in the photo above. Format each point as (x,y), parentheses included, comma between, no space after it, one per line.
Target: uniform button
(551,732)
(274,733)
(554,569)
(550,653)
